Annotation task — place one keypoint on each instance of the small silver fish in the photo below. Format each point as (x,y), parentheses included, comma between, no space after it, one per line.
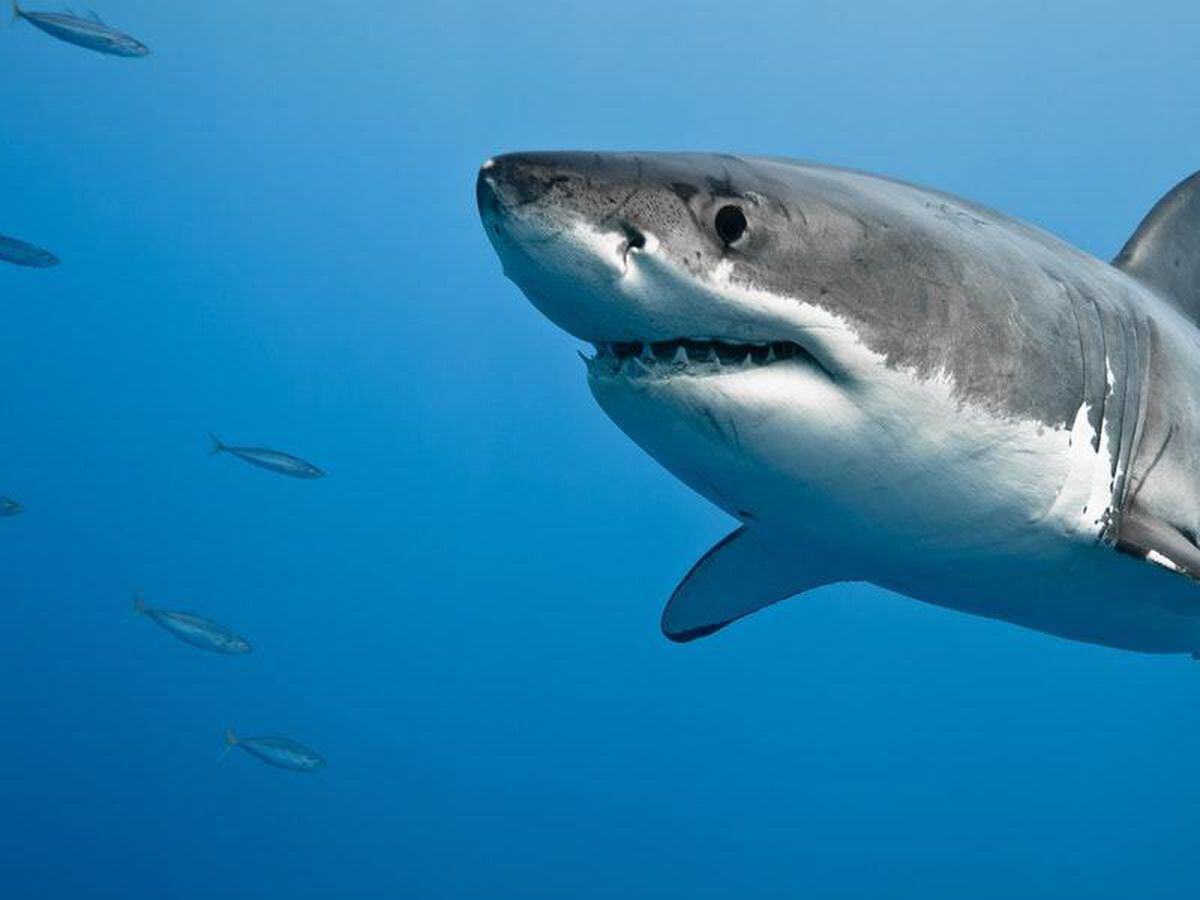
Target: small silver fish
(278,751)
(91,34)
(20,253)
(195,630)
(275,460)
(10,507)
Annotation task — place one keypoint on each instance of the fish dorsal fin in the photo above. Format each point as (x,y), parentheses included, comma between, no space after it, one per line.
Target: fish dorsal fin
(1164,252)
(740,575)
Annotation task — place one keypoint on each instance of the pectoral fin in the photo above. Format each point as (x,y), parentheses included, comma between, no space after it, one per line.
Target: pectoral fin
(1160,542)
(740,575)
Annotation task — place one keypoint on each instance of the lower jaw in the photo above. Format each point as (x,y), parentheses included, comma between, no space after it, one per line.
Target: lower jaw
(641,371)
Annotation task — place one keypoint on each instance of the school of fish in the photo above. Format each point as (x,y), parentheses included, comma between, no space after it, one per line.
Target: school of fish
(92,33)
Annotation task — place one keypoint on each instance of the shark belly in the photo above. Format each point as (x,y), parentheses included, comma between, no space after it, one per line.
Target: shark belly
(1084,593)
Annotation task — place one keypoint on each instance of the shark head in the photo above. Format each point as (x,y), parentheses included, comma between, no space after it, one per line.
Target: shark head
(789,337)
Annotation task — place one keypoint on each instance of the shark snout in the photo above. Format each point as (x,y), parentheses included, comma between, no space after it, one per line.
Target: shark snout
(486,196)
(508,190)
(508,181)
(606,246)
(543,215)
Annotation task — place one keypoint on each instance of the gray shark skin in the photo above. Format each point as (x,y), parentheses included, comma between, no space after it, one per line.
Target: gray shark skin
(195,630)
(280,752)
(91,33)
(271,460)
(21,253)
(884,383)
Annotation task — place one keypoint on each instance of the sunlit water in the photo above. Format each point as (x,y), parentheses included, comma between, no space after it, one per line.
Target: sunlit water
(267,231)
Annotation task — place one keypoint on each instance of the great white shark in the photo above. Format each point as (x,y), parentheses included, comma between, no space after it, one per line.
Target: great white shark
(884,383)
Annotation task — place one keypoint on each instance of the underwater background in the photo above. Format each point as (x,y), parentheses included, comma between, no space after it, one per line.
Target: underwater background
(268,231)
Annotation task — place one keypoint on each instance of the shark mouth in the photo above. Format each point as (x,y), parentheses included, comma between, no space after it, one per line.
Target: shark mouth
(692,357)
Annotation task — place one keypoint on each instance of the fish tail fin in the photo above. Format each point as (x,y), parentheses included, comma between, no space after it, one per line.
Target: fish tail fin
(139,604)
(230,742)
(17,12)
(217,446)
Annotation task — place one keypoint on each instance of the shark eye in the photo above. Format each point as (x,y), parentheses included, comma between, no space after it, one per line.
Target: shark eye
(731,223)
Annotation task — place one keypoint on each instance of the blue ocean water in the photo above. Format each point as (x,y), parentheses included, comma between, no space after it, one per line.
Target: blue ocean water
(268,231)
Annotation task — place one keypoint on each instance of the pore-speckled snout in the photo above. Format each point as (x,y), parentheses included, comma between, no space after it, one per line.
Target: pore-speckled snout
(560,234)
(515,179)
(609,246)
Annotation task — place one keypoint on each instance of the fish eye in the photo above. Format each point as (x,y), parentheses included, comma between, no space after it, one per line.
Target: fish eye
(730,223)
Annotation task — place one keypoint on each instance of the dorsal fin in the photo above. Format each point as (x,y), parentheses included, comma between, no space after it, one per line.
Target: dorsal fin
(1164,252)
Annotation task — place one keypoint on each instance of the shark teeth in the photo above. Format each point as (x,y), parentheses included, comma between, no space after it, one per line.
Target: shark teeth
(642,359)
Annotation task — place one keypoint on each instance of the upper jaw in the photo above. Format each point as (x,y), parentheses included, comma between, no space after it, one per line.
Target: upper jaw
(694,358)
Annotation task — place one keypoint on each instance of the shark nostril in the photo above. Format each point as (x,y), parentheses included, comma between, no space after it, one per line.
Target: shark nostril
(634,241)
(634,238)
